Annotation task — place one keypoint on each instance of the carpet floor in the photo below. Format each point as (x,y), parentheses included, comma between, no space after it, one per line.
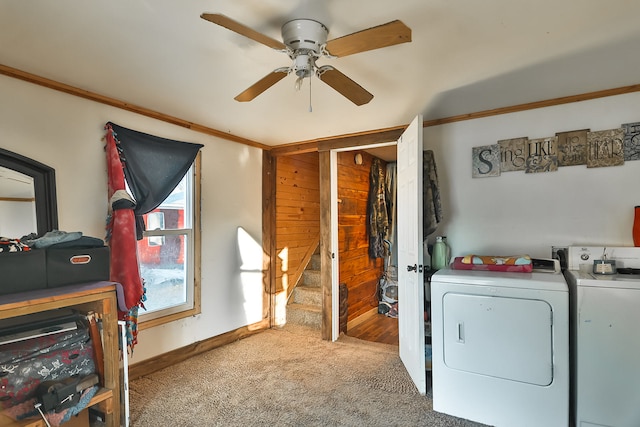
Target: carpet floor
(286,377)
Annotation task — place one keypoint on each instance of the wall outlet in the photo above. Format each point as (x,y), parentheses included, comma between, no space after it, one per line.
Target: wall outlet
(554,251)
(563,259)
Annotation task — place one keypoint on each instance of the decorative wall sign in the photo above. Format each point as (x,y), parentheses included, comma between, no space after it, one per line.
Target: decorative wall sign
(572,147)
(513,154)
(605,148)
(542,155)
(631,141)
(577,147)
(486,161)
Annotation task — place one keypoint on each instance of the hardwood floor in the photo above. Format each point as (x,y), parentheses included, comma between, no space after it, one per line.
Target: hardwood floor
(377,328)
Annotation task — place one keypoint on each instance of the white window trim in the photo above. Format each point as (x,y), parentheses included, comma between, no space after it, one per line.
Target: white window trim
(192,214)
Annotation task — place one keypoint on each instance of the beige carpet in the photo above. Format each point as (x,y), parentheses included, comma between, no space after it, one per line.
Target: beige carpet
(286,377)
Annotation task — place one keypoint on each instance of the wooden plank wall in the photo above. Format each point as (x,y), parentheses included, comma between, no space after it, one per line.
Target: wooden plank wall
(297,225)
(357,270)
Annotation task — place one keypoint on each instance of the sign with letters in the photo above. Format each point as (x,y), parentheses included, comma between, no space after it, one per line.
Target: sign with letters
(631,141)
(572,147)
(577,147)
(542,155)
(605,148)
(513,154)
(486,161)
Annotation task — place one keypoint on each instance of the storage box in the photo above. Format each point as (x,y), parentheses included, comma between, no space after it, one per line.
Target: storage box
(22,271)
(69,266)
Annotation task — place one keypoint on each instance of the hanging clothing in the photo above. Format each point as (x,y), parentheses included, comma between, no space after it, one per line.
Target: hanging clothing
(391,195)
(377,207)
(432,207)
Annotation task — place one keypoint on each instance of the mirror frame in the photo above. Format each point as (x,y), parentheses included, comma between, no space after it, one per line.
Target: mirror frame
(44,182)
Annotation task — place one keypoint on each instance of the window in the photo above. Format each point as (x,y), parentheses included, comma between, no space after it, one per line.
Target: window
(155,221)
(168,255)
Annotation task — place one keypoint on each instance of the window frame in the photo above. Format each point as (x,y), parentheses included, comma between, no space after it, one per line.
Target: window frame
(160,216)
(194,244)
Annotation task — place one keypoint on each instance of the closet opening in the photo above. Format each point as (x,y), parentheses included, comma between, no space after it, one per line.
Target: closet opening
(366,255)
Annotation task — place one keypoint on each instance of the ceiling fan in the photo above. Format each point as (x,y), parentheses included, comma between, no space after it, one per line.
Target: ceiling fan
(304,41)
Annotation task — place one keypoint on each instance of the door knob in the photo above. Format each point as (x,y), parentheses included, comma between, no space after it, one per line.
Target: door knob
(413,267)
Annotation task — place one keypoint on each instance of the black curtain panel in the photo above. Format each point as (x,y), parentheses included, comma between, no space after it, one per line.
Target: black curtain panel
(153,167)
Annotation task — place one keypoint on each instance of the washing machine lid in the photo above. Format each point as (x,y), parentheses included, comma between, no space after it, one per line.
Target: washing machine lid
(535,280)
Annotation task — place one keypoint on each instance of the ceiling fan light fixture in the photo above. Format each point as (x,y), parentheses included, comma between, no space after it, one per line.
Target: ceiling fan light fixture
(303,64)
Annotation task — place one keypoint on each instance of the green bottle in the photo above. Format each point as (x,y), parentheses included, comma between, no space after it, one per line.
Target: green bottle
(439,257)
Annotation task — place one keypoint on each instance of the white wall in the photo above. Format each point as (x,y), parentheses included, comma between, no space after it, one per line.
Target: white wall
(518,213)
(513,213)
(17,219)
(65,133)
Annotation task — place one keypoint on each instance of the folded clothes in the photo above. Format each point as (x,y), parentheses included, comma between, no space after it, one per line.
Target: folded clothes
(12,245)
(497,260)
(458,264)
(53,237)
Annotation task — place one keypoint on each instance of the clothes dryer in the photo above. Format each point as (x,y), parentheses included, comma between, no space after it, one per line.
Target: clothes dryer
(500,346)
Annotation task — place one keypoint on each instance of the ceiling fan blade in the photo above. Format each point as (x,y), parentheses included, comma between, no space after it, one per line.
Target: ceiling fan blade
(344,85)
(389,34)
(230,24)
(263,84)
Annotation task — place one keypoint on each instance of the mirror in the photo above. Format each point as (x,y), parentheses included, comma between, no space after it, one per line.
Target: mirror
(29,188)
(17,204)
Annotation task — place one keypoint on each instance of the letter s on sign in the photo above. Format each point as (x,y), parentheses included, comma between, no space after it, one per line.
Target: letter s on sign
(485,161)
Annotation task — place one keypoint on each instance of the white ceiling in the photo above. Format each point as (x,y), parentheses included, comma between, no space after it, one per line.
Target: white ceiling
(465,56)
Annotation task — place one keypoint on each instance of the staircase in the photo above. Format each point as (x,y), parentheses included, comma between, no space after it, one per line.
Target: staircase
(305,305)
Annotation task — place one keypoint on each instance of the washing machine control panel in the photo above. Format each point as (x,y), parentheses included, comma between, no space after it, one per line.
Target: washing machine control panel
(582,257)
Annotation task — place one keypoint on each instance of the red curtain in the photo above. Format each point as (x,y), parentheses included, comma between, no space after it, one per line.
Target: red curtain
(121,237)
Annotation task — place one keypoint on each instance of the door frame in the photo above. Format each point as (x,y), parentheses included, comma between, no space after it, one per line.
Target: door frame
(329,238)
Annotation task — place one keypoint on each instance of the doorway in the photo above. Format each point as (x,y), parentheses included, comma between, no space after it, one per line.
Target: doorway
(410,249)
(363,272)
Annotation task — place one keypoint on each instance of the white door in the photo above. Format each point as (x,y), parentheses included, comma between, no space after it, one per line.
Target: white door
(410,273)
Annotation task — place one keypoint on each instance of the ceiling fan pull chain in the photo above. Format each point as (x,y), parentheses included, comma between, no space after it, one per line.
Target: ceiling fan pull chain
(310,78)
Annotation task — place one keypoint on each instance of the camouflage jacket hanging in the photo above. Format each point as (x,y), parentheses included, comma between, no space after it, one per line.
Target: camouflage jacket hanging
(377,207)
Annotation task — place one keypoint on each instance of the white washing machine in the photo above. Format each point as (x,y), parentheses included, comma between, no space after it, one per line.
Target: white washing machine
(605,342)
(501,347)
